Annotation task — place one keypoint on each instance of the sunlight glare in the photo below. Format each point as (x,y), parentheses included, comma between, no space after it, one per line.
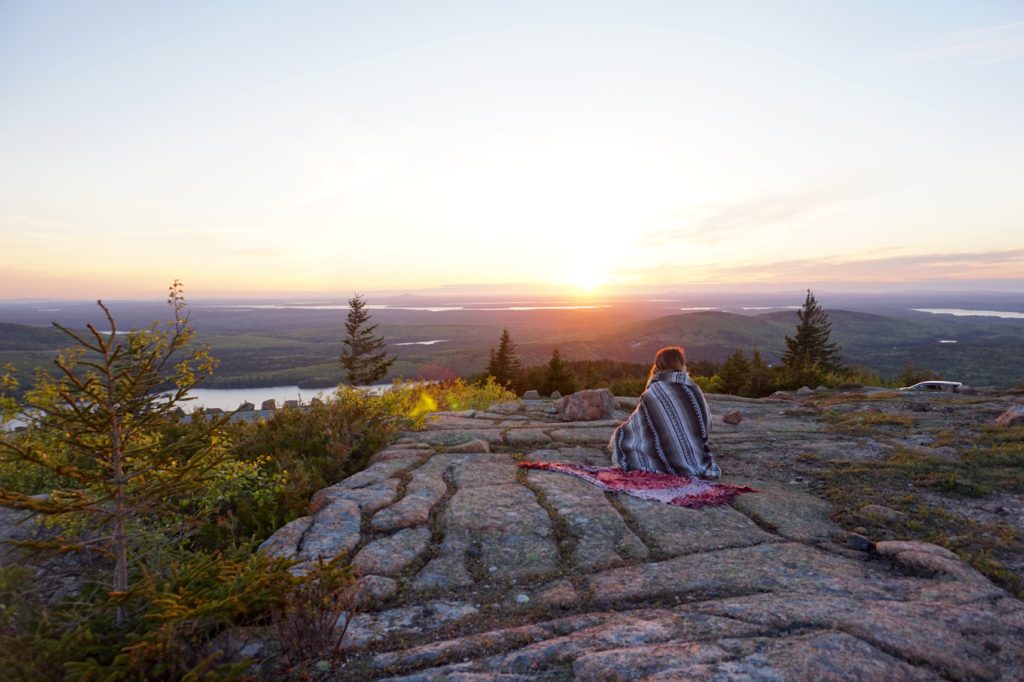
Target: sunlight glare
(585,277)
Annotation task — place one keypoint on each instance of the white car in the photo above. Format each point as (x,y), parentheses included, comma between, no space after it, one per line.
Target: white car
(946,386)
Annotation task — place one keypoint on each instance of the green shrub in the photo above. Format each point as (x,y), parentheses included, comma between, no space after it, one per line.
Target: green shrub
(280,462)
(190,497)
(178,611)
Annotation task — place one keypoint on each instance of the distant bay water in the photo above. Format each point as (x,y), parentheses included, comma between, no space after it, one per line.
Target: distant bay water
(423,308)
(960,312)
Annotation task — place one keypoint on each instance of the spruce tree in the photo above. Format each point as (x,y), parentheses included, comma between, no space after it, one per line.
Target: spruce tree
(759,383)
(735,373)
(97,424)
(811,345)
(558,376)
(504,365)
(362,355)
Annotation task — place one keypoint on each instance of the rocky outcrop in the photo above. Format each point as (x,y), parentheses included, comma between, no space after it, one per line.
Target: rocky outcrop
(475,569)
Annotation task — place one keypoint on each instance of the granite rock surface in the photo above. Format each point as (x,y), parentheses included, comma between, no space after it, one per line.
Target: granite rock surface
(480,570)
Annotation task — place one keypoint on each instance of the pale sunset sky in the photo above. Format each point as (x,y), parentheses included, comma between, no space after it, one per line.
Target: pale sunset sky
(329,147)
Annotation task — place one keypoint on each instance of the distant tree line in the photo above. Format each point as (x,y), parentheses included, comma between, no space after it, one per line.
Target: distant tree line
(811,359)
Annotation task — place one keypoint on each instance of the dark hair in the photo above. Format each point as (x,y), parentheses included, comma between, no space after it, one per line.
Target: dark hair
(668,359)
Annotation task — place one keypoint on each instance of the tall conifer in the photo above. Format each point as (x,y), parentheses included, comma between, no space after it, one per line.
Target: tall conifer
(558,376)
(362,355)
(811,345)
(504,366)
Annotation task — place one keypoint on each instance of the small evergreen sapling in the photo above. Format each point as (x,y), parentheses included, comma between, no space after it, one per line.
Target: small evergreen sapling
(363,355)
(100,421)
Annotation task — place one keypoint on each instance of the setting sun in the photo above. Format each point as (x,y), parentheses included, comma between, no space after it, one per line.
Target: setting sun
(585,276)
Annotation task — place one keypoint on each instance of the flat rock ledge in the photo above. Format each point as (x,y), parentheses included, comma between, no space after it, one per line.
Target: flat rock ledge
(475,569)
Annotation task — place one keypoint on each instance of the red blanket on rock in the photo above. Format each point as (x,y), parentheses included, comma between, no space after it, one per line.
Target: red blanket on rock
(682,492)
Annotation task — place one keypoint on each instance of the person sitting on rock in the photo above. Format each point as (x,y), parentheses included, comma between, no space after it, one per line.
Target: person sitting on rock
(668,431)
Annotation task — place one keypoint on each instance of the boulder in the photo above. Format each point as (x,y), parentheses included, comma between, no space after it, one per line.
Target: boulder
(291,403)
(269,405)
(556,395)
(531,395)
(589,405)
(805,390)
(928,559)
(1012,417)
(734,417)
(246,407)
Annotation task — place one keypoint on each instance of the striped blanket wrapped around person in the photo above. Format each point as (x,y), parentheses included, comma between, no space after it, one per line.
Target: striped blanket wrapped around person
(668,431)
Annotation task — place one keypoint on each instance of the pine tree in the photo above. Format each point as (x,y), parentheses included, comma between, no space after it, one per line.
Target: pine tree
(504,365)
(558,376)
(97,426)
(363,355)
(735,373)
(811,346)
(759,383)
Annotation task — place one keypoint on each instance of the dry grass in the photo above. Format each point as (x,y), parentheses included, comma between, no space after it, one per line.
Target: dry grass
(936,496)
(867,423)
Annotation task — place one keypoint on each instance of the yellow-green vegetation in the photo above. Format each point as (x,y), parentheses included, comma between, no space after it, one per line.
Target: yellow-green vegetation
(934,496)
(456,394)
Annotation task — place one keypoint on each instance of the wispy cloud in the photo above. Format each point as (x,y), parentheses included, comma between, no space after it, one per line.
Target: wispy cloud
(716,222)
(1006,264)
(991,44)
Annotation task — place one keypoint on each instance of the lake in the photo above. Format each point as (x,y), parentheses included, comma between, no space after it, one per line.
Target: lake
(229,399)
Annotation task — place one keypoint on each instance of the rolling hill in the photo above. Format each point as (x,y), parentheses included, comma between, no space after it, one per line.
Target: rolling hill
(301,347)
(987,351)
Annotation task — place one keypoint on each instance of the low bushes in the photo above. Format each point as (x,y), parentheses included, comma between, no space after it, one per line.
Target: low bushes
(194,572)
